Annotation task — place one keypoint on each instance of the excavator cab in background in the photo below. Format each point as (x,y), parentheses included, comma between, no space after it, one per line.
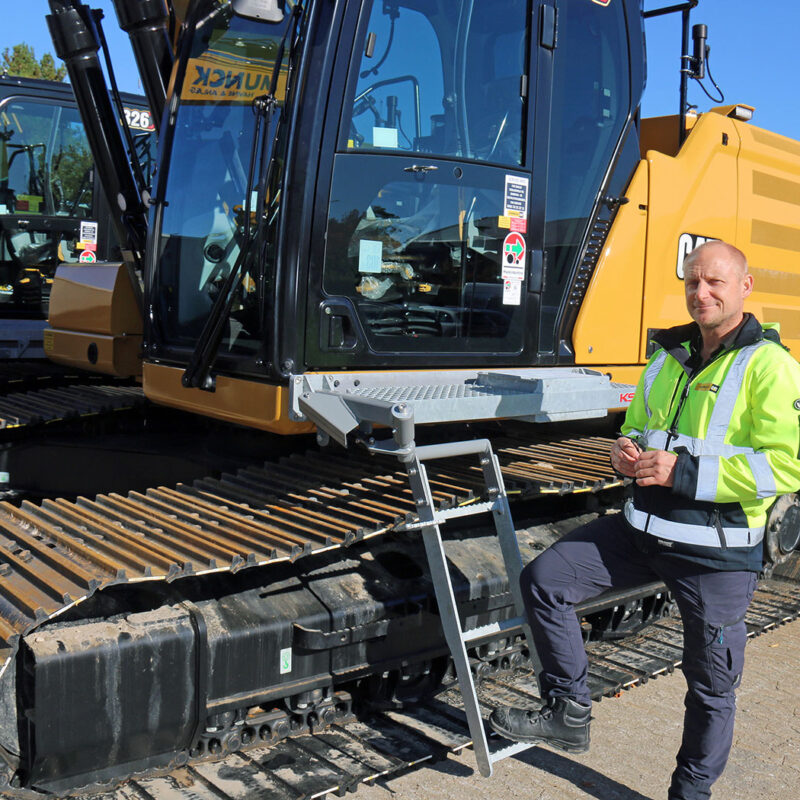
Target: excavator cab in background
(52,210)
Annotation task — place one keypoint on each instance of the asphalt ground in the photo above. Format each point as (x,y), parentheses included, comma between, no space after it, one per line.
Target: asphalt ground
(634,741)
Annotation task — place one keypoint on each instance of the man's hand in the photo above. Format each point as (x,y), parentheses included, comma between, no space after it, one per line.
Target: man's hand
(624,454)
(655,468)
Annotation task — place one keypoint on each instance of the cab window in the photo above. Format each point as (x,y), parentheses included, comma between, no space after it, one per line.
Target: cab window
(45,161)
(424,84)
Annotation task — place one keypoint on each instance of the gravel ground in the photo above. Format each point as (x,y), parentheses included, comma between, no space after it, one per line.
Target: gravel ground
(634,741)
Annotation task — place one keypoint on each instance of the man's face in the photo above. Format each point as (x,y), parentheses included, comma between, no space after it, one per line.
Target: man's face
(716,289)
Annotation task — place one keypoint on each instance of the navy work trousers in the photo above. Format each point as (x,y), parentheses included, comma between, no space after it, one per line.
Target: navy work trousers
(604,554)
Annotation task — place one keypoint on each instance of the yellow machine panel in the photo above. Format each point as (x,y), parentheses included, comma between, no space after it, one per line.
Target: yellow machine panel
(730,181)
(256,405)
(608,328)
(769,227)
(95,319)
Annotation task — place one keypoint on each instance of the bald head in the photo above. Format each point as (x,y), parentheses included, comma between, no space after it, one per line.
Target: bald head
(717,249)
(716,283)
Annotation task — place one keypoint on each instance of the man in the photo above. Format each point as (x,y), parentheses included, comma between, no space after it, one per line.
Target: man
(711,438)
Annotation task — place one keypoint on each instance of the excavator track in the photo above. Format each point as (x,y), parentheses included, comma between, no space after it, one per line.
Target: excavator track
(341,757)
(23,375)
(57,553)
(65,402)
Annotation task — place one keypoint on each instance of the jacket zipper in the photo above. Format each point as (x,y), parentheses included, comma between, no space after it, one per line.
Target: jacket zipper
(723,542)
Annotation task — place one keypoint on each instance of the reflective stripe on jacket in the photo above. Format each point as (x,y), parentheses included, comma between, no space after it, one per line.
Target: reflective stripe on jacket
(735,425)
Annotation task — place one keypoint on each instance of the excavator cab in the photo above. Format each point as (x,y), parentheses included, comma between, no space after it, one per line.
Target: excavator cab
(390,183)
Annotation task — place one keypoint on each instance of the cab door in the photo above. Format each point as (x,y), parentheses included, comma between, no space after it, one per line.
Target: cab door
(421,246)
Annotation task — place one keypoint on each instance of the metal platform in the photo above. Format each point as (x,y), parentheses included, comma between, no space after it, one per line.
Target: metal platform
(341,403)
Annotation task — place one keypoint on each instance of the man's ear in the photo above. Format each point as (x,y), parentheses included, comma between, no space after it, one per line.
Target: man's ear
(747,285)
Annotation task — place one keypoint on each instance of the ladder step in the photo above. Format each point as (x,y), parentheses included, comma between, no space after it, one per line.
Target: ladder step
(510,750)
(491,629)
(465,511)
(450,513)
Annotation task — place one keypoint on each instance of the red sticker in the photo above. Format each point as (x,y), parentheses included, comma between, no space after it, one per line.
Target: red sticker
(519,225)
(513,250)
(602,2)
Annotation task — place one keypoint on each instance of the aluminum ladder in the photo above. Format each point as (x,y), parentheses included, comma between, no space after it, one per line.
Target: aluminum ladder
(457,639)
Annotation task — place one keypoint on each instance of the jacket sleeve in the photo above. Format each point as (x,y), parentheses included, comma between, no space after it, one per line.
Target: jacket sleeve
(636,416)
(773,399)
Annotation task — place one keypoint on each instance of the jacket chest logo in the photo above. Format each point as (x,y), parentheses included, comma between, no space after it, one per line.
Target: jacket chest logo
(706,387)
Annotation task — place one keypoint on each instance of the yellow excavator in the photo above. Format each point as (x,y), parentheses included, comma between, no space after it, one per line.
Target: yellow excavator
(367,218)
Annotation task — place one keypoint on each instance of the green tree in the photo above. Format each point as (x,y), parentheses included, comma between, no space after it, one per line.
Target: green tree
(21,60)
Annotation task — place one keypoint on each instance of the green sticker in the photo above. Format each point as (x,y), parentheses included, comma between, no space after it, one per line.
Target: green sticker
(286,660)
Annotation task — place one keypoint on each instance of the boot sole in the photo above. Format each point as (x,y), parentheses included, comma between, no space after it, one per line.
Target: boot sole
(558,744)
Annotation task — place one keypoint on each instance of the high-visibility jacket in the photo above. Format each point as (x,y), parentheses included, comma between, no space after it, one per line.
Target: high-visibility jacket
(734,423)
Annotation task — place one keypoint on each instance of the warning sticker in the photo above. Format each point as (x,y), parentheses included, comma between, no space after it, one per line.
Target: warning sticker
(88,233)
(515,198)
(519,225)
(87,257)
(512,292)
(514,255)
(602,2)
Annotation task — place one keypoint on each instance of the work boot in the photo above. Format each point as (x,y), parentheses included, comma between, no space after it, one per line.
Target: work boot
(562,723)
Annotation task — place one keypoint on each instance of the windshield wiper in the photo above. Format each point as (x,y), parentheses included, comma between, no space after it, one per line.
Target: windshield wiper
(196,375)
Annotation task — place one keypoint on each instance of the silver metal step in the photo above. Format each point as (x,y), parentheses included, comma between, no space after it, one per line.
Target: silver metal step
(339,402)
(493,628)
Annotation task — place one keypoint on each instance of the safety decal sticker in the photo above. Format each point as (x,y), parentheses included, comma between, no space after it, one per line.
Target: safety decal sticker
(88,232)
(286,660)
(512,292)
(514,256)
(87,257)
(514,249)
(602,2)
(515,197)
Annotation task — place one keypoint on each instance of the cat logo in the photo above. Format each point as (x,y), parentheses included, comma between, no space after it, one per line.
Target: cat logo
(686,243)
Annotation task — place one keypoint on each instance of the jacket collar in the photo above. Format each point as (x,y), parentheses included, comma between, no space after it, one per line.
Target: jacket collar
(674,340)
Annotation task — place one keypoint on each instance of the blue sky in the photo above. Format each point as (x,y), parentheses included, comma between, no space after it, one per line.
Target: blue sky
(755,54)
